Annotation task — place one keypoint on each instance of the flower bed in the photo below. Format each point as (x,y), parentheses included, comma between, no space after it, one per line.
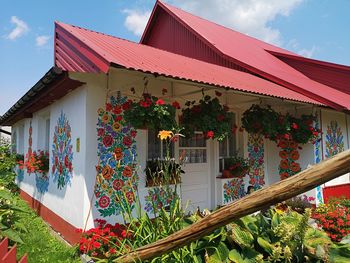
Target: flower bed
(334,218)
(102,241)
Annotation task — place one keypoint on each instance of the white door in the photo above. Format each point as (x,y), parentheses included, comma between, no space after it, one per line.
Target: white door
(195,185)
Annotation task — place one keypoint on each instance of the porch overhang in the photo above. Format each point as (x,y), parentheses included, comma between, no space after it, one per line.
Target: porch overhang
(51,87)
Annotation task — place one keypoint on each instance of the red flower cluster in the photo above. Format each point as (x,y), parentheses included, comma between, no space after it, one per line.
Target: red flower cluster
(334,219)
(103,240)
(36,162)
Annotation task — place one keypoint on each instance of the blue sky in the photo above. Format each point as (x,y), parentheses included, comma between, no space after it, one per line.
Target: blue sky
(314,28)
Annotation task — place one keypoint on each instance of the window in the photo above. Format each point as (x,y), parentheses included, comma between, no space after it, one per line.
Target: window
(193,150)
(20,146)
(156,149)
(227,147)
(47,135)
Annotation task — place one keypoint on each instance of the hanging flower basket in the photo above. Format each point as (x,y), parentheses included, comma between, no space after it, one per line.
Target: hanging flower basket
(151,112)
(276,126)
(208,116)
(235,166)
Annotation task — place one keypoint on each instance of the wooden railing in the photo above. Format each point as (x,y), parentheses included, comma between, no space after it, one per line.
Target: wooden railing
(9,255)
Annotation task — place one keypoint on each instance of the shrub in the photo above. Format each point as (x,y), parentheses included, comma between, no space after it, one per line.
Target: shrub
(300,203)
(334,218)
(101,241)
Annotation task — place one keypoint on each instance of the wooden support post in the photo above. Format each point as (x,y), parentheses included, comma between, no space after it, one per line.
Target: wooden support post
(278,192)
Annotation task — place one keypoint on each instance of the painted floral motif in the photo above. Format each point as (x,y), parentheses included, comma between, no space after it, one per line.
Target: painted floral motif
(256,160)
(317,153)
(233,189)
(117,179)
(334,139)
(62,153)
(159,197)
(30,142)
(19,173)
(42,182)
(289,155)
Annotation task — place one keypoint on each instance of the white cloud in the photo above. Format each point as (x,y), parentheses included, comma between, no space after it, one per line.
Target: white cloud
(308,52)
(136,20)
(295,46)
(251,17)
(20,29)
(41,40)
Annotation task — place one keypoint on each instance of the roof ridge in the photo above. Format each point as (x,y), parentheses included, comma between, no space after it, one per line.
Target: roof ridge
(94,31)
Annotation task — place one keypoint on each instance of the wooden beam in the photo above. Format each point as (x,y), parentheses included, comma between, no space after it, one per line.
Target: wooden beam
(263,198)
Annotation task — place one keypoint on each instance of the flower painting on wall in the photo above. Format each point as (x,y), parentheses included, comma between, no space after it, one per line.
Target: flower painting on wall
(233,190)
(256,160)
(117,179)
(289,155)
(334,139)
(62,152)
(159,197)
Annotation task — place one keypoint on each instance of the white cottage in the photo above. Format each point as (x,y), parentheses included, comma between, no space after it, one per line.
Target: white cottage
(75,113)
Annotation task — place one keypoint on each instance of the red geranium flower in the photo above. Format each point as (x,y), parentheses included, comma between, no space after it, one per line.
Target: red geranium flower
(176,105)
(160,102)
(210,134)
(295,126)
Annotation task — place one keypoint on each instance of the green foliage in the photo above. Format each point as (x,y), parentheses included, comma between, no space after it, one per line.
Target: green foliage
(274,125)
(10,212)
(39,241)
(237,165)
(152,113)
(208,116)
(7,164)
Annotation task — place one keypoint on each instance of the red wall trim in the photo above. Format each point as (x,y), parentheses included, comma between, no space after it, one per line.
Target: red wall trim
(68,231)
(341,190)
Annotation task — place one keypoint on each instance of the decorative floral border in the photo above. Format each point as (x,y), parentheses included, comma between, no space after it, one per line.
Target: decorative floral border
(42,182)
(256,160)
(159,197)
(30,142)
(117,180)
(19,173)
(334,139)
(318,157)
(62,153)
(233,190)
(289,155)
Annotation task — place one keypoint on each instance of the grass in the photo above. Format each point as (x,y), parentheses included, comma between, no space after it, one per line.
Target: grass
(39,242)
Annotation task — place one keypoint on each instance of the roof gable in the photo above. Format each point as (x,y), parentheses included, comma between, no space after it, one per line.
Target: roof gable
(254,55)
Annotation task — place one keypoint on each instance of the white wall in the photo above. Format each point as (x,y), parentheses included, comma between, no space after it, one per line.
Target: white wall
(327,116)
(66,202)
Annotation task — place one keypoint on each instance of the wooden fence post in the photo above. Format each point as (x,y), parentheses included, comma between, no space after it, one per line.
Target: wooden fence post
(263,198)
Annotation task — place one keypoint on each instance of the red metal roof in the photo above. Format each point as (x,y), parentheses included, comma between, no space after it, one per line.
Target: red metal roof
(254,55)
(82,50)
